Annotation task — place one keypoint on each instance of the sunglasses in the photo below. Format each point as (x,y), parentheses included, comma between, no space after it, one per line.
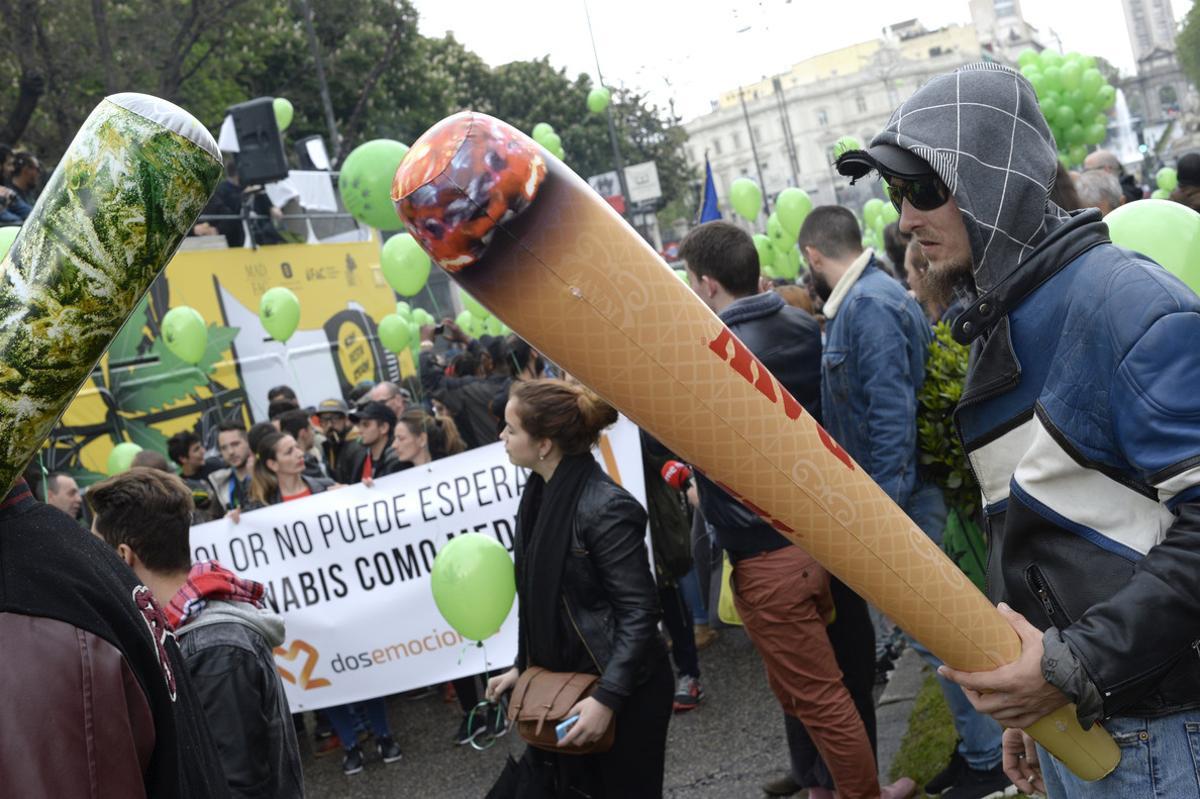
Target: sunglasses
(924,194)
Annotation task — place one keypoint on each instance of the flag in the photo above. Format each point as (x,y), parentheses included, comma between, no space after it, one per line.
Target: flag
(708,200)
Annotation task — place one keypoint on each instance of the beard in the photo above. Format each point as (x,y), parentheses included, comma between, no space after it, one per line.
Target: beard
(942,282)
(821,285)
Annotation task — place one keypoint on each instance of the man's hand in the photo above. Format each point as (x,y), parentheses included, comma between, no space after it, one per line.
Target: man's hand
(594,718)
(1015,695)
(1021,762)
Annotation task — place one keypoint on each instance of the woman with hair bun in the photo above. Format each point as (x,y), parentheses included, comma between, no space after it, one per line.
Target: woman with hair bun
(588,601)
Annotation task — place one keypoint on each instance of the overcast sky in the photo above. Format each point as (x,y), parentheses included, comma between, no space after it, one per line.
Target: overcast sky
(692,50)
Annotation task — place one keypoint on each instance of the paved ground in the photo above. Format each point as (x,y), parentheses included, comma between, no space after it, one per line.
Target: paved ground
(725,749)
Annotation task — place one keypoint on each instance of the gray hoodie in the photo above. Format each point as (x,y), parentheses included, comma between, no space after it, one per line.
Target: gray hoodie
(981,130)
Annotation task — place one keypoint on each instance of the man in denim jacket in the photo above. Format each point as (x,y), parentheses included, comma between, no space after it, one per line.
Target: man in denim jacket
(873,366)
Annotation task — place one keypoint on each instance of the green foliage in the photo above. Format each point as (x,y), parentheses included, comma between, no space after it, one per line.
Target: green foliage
(385,79)
(930,738)
(942,455)
(1187,46)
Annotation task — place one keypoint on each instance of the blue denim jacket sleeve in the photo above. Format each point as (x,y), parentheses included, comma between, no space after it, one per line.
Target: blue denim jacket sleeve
(20,209)
(883,362)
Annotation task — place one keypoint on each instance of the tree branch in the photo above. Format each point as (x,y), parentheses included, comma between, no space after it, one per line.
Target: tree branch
(32,81)
(104,45)
(349,130)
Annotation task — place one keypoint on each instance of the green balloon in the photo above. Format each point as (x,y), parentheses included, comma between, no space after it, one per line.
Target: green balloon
(7,236)
(845,145)
(1107,96)
(1076,134)
(283,113)
(473,585)
(779,239)
(551,141)
(1027,57)
(394,334)
(1049,58)
(185,334)
(1160,194)
(414,334)
(1049,109)
(279,312)
(872,209)
(365,183)
(540,130)
(787,263)
(598,100)
(746,197)
(1072,75)
(1167,179)
(473,305)
(465,320)
(405,265)
(1166,231)
(492,326)
(404,311)
(1064,117)
(1092,81)
(422,318)
(682,275)
(1095,134)
(792,205)
(1052,76)
(889,214)
(121,458)
(1038,81)
(766,253)
(768,271)
(558,152)
(1076,153)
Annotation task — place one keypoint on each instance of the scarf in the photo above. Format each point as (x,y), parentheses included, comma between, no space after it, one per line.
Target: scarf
(209,580)
(544,522)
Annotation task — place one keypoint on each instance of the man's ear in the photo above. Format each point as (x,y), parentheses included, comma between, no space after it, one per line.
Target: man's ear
(125,553)
(710,286)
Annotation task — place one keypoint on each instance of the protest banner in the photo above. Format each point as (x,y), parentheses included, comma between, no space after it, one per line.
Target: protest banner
(349,570)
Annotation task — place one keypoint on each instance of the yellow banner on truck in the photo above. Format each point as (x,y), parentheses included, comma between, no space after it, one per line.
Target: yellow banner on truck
(142,393)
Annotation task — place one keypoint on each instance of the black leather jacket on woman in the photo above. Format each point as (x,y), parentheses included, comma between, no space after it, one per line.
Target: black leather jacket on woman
(609,619)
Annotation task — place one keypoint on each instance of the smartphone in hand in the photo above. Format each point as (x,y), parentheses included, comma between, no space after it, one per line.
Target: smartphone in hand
(562,729)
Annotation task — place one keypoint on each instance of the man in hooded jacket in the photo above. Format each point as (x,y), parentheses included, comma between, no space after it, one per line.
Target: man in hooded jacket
(1081,420)
(225,636)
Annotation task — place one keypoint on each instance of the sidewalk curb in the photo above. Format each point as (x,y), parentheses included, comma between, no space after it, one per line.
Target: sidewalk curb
(896,705)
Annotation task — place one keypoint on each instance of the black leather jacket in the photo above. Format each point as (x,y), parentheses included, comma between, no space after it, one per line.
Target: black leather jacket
(610,613)
(228,652)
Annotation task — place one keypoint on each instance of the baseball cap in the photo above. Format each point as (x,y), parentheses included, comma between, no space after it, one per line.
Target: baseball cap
(333,406)
(886,159)
(375,411)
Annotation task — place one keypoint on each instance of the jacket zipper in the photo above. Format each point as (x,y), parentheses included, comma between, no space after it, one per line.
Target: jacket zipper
(1042,589)
(580,634)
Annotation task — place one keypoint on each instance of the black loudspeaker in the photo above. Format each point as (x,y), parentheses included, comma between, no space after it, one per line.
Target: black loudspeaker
(311,154)
(261,158)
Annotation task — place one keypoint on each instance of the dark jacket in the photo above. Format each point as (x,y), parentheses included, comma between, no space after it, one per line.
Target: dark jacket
(228,652)
(339,454)
(351,469)
(611,611)
(94,698)
(788,342)
(467,398)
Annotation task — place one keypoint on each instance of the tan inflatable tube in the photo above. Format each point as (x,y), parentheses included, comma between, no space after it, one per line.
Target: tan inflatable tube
(531,241)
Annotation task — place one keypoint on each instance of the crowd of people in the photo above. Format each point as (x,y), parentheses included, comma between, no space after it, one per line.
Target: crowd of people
(1079,420)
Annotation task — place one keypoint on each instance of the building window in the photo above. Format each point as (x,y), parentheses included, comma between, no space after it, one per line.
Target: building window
(861,103)
(716,145)
(737,140)
(1004,8)
(823,118)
